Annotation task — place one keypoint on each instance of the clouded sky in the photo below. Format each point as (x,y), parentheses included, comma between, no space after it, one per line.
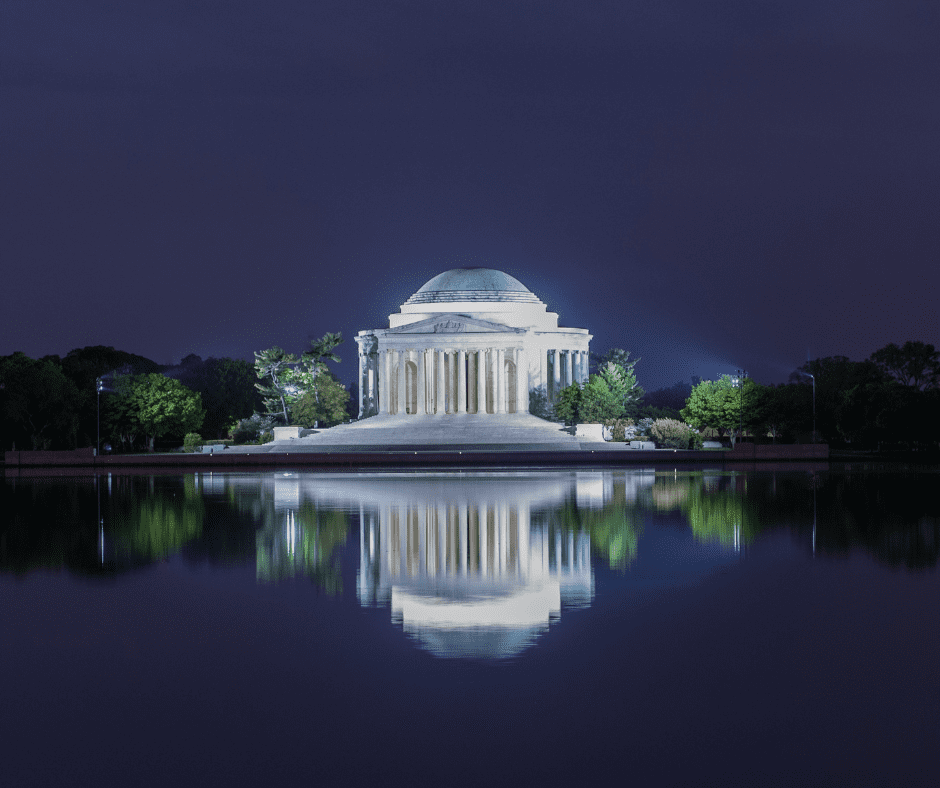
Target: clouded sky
(710,185)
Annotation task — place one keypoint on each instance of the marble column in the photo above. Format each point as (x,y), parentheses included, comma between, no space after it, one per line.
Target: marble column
(461,381)
(452,382)
(402,355)
(543,370)
(361,382)
(462,535)
(522,381)
(420,383)
(439,392)
(568,367)
(499,389)
(484,540)
(385,388)
(556,373)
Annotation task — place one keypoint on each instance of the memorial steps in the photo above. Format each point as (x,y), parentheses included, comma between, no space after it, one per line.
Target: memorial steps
(450,431)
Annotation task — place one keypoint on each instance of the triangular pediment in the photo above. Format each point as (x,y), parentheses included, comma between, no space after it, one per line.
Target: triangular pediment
(455,324)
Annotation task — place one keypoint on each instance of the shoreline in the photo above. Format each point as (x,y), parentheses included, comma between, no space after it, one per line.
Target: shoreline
(85,459)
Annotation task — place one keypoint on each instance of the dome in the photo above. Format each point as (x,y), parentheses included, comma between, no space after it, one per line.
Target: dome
(473,284)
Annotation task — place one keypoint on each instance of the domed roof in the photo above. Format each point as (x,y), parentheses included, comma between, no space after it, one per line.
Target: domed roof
(472,284)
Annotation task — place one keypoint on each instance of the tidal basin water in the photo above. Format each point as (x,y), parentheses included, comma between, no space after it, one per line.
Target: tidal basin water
(551,627)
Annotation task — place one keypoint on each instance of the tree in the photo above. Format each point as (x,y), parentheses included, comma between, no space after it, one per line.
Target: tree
(835,375)
(153,406)
(600,402)
(618,370)
(323,405)
(83,366)
(274,365)
(568,404)
(285,378)
(38,404)
(227,386)
(310,378)
(914,364)
(722,405)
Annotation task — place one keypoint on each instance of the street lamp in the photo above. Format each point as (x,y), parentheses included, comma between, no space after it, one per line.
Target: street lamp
(738,382)
(99,386)
(809,375)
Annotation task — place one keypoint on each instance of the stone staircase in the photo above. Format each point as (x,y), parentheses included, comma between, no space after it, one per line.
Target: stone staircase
(464,432)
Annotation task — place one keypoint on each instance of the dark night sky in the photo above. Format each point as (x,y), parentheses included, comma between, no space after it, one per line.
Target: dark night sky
(709,185)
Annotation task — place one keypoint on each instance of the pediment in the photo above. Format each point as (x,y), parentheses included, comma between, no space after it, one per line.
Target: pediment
(455,324)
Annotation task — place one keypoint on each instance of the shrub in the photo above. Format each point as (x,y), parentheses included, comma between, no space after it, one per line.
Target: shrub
(619,428)
(250,430)
(671,434)
(192,441)
(643,428)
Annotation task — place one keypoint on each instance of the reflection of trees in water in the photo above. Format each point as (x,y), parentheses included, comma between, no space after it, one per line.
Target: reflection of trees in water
(614,527)
(49,523)
(155,520)
(888,511)
(893,515)
(718,508)
(303,542)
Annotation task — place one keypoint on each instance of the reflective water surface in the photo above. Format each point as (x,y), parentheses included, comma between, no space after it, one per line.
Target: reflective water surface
(462,627)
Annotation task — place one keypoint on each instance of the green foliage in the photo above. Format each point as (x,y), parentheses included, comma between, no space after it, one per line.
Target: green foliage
(152,406)
(322,405)
(721,516)
(273,368)
(285,379)
(618,371)
(618,429)
(252,430)
(227,387)
(192,441)
(599,403)
(671,434)
(568,404)
(156,526)
(722,405)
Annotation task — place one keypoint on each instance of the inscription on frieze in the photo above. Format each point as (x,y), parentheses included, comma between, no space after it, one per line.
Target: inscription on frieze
(449,327)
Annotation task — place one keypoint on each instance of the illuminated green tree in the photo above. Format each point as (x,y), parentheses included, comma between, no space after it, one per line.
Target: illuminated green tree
(152,406)
(722,405)
(323,405)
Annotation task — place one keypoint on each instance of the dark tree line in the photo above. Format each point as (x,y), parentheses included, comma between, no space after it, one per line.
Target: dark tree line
(52,402)
(889,400)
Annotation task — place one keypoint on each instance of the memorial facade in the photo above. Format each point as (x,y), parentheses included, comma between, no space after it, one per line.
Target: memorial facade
(469,341)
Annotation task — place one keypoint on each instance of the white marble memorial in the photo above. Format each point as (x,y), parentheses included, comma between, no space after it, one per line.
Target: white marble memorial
(470,341)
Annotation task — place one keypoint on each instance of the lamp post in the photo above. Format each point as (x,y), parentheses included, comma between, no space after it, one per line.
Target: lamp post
(99,387)
(738,382)
(810,375)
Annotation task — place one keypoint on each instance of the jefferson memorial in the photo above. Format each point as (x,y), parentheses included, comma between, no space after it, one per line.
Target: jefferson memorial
(469,341)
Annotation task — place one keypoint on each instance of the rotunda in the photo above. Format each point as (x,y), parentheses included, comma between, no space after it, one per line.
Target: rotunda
(470,340)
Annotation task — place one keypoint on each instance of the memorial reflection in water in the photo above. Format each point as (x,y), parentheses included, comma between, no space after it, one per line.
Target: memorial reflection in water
(470,564)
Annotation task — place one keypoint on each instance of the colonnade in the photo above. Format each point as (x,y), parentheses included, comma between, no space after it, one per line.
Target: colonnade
(438,381)
(567,367)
